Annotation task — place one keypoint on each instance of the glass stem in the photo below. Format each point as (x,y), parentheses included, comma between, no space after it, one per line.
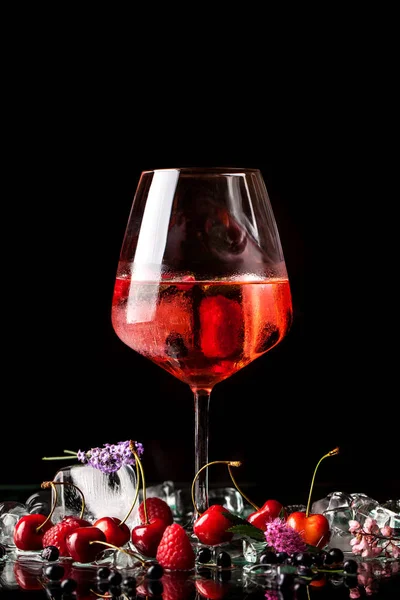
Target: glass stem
(201,411)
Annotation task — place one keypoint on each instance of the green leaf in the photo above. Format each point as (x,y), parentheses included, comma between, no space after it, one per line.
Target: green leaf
(312,549)
(248,530)
(288,569)
(235,519)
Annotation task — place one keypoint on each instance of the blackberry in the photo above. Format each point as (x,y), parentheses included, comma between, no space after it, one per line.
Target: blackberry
(303,558)
(155,587)
(114,578)
(319,558)
(68,586)
(102,586)
(223,560)
(54,572)
(327,559)
(129,585)
(350,580)
(281,557)
(336,555)
(103,573)
(350,566)
(285,580)
(204,555)
(154,572)
(50,553)
(115,591)
(268,558)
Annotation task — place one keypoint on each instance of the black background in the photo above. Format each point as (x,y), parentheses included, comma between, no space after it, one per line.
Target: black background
(76,142)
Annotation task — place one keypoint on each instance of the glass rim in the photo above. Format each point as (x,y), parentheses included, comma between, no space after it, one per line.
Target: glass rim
(206,170)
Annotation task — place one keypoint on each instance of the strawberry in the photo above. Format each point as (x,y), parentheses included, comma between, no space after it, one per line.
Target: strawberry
(175,551)
(56,535)
(156,509)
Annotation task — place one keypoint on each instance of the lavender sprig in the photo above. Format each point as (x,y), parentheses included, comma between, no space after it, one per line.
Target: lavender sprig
(108,458)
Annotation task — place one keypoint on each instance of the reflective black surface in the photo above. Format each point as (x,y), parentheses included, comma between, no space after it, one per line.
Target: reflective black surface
(21,577)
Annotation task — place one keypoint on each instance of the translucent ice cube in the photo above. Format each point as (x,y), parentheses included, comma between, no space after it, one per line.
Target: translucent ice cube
(362,505)
(108,495)
(252,550)
(15,508)
(165,491)
(338,519)
(7,576)
(384,516)
(10,514)
(332,501)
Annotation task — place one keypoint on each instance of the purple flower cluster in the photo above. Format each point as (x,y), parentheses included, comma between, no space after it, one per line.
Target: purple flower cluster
(111,457)
(283,538)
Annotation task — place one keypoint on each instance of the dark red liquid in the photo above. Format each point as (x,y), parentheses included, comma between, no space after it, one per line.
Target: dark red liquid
(201,332)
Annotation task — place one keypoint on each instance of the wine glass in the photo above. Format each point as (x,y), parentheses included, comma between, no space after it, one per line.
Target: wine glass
(202,287)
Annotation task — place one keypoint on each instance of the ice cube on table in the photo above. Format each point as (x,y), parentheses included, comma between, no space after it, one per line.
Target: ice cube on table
(362,505)
(336,508)
(384,516)
(12,507)
(10,514)
(331,502)
(338,519)
(164,490)
(106,495)
(7,576)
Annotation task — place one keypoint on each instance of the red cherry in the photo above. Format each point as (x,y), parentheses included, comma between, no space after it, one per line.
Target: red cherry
(269,511)
(79,546)
(84,580)
(211,527)
(147,536)
(28,575)
(116,534)
(213,590)
(314,528)
(26,534)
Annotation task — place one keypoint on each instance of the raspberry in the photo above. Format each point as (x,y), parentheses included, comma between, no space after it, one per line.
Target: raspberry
(56,535)
(156,509)
(177,586)
(175,551)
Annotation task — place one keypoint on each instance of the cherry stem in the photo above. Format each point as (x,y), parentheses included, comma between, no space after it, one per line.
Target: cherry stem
(129,552)
(139,464)
(45,485)
(136,496)
(79,490)
(331,453)
(230,463)
(240,491)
